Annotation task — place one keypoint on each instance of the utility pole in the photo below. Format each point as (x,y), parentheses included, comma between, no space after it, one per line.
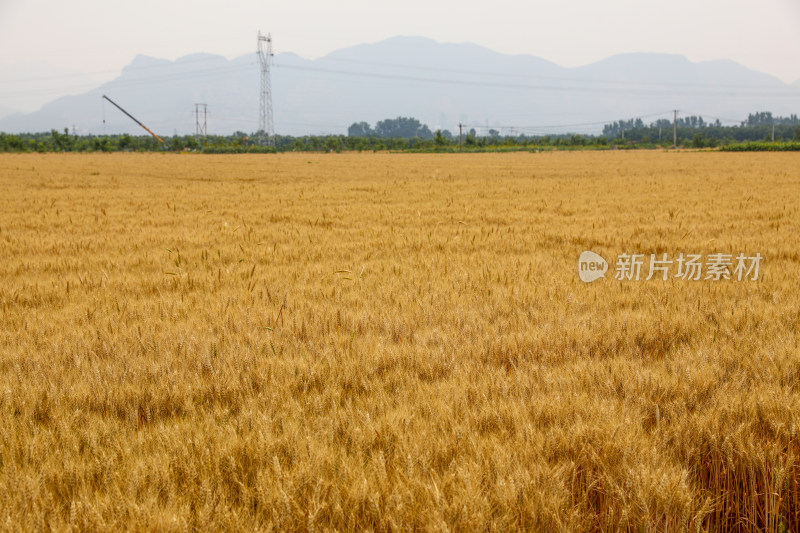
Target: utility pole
(675,128)
(265,121)
(201,130)
(459,136)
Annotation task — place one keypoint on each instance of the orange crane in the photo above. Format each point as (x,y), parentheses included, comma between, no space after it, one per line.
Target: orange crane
(133,118)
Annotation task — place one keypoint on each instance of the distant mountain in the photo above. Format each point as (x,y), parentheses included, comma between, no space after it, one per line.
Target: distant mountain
(25,87)
(440,84)
(158,92)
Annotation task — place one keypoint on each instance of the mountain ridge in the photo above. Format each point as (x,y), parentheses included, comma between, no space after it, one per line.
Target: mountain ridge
(441,84)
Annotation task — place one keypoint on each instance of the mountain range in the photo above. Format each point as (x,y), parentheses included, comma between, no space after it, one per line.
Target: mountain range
(441,84)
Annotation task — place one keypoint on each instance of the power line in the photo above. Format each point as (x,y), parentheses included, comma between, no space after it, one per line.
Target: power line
(182,62)
(542,78)
(522,129)
(709,116)
(789,93)
(558,126)
(168,64)
(627,86)
(154,80)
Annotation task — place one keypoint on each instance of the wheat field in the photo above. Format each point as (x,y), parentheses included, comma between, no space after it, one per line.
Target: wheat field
(392,342)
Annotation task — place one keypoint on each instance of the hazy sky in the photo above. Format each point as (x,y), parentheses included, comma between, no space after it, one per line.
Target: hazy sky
(98,38)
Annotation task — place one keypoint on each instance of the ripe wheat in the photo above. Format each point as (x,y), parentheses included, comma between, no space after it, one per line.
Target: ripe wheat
(393,341)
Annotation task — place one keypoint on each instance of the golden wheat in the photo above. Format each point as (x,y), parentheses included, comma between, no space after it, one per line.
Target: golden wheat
(394,341)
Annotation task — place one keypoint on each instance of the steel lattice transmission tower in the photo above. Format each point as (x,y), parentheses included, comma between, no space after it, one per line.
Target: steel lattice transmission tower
(201,128)
(266,124)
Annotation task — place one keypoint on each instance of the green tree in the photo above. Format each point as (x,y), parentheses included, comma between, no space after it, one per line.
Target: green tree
(402,127)
(102,144)
(62,143)
(125,142)
(359,129)
(333,144)
(439,138)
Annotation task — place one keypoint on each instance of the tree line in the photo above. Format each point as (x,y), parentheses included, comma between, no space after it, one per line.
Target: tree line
(696,132)
(409,134)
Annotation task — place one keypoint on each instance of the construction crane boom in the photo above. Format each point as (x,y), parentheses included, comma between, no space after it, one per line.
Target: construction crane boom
(133,118)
